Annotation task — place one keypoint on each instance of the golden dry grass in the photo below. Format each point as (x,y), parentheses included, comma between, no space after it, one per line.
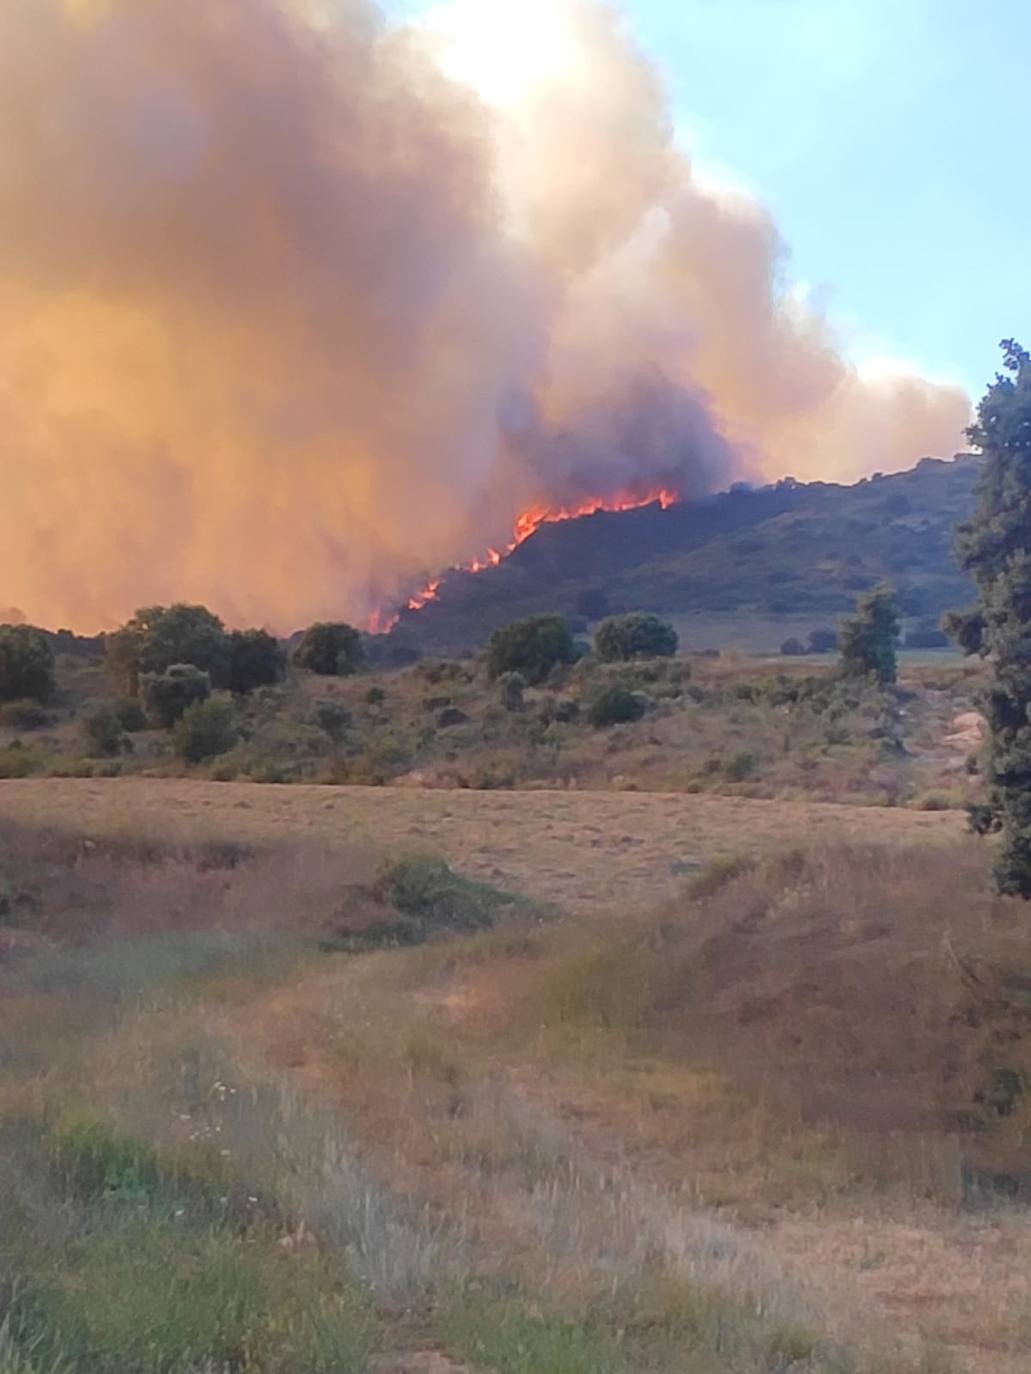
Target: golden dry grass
(688,1068)
(785,1071)
(585,851)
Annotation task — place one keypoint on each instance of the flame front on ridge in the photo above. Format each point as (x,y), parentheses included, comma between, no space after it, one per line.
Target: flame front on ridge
(525,526)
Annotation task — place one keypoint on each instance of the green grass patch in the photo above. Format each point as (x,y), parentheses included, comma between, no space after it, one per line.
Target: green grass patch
(504,1334)
(153,1296)
(110,1267)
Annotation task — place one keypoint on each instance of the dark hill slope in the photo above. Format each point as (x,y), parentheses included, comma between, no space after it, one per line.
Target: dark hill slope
(780,551)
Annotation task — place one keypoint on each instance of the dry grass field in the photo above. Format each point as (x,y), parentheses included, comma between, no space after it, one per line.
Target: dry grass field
(743,1096)
(586,851)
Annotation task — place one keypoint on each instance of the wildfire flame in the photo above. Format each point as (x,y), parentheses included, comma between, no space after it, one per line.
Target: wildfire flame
(526,525)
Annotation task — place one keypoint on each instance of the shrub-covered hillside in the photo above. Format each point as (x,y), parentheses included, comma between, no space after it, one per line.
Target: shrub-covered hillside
(535,710)
(777,553)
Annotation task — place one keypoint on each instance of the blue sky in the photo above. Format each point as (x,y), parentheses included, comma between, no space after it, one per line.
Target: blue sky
(890,138)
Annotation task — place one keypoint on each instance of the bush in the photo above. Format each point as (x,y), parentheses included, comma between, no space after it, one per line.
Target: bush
(823,641)
(332,718)
(103,734)
(532,647)
(26,664)
(792,647)
(255,660)
(331,650)
(24,715)
(158,638)
(740,766)
(616,706)
(168,695)
(16,762)
(131,715)
(624,637)
(431,897)
(868,640)
(512,686)
(205,730)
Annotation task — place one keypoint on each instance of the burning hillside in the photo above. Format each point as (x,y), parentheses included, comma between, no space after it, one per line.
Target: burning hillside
(297,302)
(525,527)
(746,553)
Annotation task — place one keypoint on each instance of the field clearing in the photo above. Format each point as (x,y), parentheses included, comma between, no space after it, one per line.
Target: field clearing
(582,850)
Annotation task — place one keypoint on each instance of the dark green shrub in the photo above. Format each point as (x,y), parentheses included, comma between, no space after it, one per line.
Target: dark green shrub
(451,716)
(616,706)
(332,718)
(168,695)
(77,646)
(255,660)
(867,641)
(823,641)
(26,664)
(375,696)
(102,732)
(532,647)
(331,650)
(205,730)
(16,761)
(995,549)
(512,686)
(131,715)
(90,1161)
(24,715)
(431,897)
(741,766)
(625,637)
(158,637)
(792,647)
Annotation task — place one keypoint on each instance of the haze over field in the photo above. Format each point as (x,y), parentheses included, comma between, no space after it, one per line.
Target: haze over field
(298,305)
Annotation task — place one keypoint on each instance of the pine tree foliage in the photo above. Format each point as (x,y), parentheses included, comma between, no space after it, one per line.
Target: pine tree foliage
(995,549)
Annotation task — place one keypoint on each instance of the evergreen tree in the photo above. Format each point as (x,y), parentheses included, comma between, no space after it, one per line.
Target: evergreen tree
(995,549)
(532,647)
(624,637)
(255,660)
(867,641)
(158,637)
(331,650)
(26,664)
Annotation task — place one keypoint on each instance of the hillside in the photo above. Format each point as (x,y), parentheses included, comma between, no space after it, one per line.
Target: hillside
(781,555)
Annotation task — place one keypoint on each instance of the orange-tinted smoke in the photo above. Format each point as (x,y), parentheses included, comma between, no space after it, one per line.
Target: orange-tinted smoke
(286,318)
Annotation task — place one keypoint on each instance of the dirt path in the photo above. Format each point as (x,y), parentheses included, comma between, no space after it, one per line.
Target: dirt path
(583,850)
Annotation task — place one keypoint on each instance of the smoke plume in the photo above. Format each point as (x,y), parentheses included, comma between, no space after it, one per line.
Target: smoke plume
(289,315)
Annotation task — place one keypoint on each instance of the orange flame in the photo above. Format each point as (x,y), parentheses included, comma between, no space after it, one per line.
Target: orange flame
(525,526)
